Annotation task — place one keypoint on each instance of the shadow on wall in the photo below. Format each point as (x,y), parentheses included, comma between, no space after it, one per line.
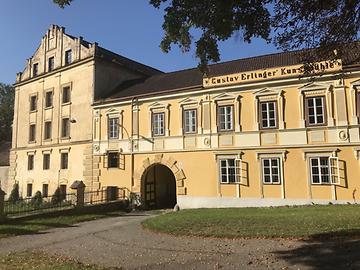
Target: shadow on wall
(337,250)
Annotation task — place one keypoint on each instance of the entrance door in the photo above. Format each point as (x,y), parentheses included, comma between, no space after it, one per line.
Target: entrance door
(159,187)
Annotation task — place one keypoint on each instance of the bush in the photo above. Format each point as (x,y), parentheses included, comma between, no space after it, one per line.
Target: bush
(37,200)
(56,197)
(15,195)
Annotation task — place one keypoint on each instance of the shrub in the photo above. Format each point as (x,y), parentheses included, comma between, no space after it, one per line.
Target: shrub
(37,200)
(15,195)
(56,197)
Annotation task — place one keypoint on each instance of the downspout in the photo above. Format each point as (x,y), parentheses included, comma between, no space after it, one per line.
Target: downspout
(132,143)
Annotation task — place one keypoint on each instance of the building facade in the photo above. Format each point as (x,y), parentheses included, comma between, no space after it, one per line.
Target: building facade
(52,128)
(253,132)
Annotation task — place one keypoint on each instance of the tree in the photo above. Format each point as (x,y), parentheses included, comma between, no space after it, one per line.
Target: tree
(14,195)
(6,111)
(293,24)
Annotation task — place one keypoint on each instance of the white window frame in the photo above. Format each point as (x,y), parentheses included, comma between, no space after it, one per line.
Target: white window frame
(226,118)
(113,127)
(190,121)
(333,170)
(315,115)
(267,111)
(279,168)
(158,124)
(237,167)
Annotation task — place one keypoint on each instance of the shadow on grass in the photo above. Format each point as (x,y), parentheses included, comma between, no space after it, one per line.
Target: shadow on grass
(16,231)
(333,250)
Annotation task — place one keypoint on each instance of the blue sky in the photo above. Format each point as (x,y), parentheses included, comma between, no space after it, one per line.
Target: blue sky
(131,28)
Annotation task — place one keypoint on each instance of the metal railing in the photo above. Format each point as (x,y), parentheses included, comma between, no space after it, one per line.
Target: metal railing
(25,206)
(109,194)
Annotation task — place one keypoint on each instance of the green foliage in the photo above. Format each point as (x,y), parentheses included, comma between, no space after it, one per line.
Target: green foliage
(62,3)
(6,111)
(14,195)
(56,197)
(295,24)
(37,199)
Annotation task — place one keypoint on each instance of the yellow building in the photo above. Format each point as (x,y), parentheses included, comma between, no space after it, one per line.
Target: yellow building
(253,132)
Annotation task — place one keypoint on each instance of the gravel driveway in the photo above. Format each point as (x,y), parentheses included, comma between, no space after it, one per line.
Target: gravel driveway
(121,242)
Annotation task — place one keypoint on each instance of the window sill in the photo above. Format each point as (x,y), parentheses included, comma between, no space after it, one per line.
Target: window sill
(269,128)
(231,183)
(322,184)
(49,108)
(65,138)
(272,184)
(48,140)
(31,142)
(66,103)
(33,111)
(226,131)
(316,126)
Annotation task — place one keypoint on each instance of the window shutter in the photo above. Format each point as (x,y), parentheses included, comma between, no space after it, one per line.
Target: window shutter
(334,170)
(105,161)
(238,170)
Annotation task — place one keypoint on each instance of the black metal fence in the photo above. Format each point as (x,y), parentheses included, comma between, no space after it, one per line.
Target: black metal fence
(25,206)
(109,194)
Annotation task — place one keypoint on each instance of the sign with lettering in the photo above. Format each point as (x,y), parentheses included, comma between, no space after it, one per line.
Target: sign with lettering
(271,73)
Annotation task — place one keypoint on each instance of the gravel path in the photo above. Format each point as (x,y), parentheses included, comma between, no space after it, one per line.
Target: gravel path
(121,242)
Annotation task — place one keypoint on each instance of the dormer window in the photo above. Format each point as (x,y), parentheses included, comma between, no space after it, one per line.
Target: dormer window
(51,63)
(68,57)
(35,69)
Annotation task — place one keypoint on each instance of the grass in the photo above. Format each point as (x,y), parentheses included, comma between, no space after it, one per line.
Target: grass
(42,261)
(331,221)
(34,225)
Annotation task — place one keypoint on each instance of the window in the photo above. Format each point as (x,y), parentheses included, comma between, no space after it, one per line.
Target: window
(158,124)
(64,161)
(225,118)
(30,162)
(113,128)
(46,161)
(271,170)
(29,190)
(325,170)
(268,114)
(45,190)
(51,63)
(32,133)
(62,192)
(68,57)
(315,110)
(65,128)
(113,160)
(33,103)
(35,70)
(47,130)
(48,99)
(230,170)
(190,121)
(66,94)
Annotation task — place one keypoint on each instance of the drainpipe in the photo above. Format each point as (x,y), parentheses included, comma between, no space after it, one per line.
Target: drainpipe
(132,143)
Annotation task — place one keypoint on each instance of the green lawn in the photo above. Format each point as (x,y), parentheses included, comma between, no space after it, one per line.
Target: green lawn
(277,222)
(41,261)
(33,225)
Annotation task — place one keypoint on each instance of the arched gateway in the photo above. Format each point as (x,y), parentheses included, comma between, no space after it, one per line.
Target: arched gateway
(158,187)
(160,180)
